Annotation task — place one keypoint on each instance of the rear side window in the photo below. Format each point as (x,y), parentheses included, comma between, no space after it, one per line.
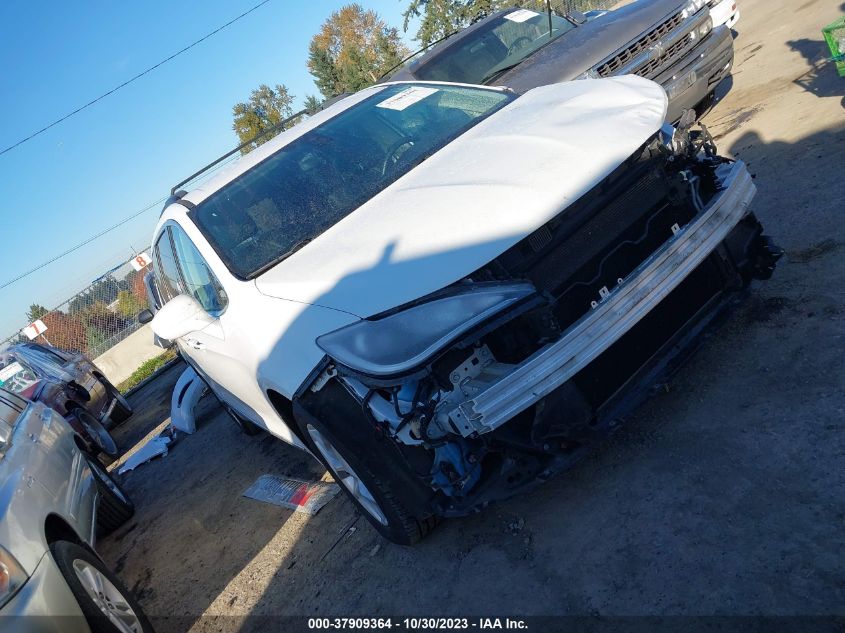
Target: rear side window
(167,272)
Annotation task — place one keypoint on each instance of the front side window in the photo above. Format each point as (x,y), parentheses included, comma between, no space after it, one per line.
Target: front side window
(318,179)
(197,278)
(480,56)
(180,269)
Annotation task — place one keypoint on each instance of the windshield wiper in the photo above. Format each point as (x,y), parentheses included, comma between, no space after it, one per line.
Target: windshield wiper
(499,72)
(280,258)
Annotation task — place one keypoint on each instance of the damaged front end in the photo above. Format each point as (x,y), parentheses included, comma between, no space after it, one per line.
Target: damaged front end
(508,375)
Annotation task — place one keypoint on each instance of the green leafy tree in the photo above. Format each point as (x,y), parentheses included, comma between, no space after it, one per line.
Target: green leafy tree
(128,305)
(267,107)
(438,18)
(352,50)
(35,312)
(312,104)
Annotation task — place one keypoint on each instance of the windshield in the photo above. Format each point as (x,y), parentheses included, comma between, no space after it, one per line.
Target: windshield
(486,52)
(315,181)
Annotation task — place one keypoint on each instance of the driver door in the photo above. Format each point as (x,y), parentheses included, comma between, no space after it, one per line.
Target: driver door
(181,269)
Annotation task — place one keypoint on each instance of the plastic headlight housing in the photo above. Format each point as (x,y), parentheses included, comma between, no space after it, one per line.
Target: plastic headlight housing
(693,7)
(590,74)
(705,28)
(404,340)
(12,576)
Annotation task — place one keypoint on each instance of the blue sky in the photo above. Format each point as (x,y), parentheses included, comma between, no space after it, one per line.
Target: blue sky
(126,151)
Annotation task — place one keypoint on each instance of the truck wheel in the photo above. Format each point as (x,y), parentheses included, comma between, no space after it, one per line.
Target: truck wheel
(122,409)
(115,507)
(106,604)
(372,482)
(99,438)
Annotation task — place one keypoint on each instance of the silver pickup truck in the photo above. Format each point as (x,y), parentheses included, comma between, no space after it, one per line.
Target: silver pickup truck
(54,501)
(671,42)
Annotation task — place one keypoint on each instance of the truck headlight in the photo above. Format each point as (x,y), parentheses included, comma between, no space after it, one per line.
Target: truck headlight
(403,340)
(12,576)
(705,28)
(693,7)
(589,74)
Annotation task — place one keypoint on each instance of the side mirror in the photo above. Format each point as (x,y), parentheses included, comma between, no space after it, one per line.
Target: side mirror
(145,316)
(180,316)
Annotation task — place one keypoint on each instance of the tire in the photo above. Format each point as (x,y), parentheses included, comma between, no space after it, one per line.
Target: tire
(246,427)
(115,507)
(122,409)
(105,602)
(383,474)
(99,439)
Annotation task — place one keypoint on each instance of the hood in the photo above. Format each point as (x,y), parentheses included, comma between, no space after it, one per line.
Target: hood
(475,198)
(584,47)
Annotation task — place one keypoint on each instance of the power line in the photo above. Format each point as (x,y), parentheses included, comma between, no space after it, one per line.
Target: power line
(129,81)
(83,243)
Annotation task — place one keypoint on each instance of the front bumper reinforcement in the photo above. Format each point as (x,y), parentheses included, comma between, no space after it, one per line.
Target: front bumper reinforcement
(616,314)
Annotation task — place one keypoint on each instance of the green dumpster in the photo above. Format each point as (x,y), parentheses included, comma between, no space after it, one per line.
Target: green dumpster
(834,35)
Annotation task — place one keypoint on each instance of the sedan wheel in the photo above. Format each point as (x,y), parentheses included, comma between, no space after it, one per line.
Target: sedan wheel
(106,603)
(344,472)
(108,598)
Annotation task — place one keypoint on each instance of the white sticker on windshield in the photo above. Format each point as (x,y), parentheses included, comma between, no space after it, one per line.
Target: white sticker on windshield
(407,98)
(521,15)
(8,372)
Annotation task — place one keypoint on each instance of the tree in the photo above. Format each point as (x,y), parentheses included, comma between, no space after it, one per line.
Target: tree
(266,108)
(128,305)
(439,19)
(35,312)
(312,104)
(352,50)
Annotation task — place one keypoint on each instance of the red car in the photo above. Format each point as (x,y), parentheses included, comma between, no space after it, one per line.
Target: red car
(70,384)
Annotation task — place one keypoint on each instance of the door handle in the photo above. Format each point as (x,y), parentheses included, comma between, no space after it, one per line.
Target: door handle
(195,344)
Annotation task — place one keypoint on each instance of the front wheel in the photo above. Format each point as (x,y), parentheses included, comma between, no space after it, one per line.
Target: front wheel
(374,475)
(107,605)
(98,437)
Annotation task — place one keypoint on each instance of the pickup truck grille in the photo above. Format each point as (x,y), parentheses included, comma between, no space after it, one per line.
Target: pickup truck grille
(652,66)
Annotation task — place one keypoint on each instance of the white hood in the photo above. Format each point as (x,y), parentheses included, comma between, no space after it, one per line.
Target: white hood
(475,198)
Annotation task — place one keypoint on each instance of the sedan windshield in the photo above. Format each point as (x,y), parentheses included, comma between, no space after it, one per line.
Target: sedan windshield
(486,52)
(315,181)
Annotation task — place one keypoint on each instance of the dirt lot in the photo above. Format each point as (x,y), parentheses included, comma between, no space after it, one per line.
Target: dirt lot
(725,495)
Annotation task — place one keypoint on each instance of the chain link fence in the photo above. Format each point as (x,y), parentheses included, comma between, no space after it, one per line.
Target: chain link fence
(96,318)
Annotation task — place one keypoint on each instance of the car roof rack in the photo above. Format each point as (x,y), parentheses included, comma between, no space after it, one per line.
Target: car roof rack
(176,193)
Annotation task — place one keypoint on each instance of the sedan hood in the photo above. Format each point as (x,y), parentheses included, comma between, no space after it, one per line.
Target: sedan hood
(475,198)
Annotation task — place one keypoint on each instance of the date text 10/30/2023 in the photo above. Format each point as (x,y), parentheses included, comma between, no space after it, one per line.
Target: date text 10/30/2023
(414,624)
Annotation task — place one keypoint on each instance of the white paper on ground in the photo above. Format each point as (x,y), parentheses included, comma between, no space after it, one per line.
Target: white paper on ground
(294,494)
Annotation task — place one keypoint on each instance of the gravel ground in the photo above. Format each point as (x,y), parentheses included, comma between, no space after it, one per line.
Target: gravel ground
(725,495)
